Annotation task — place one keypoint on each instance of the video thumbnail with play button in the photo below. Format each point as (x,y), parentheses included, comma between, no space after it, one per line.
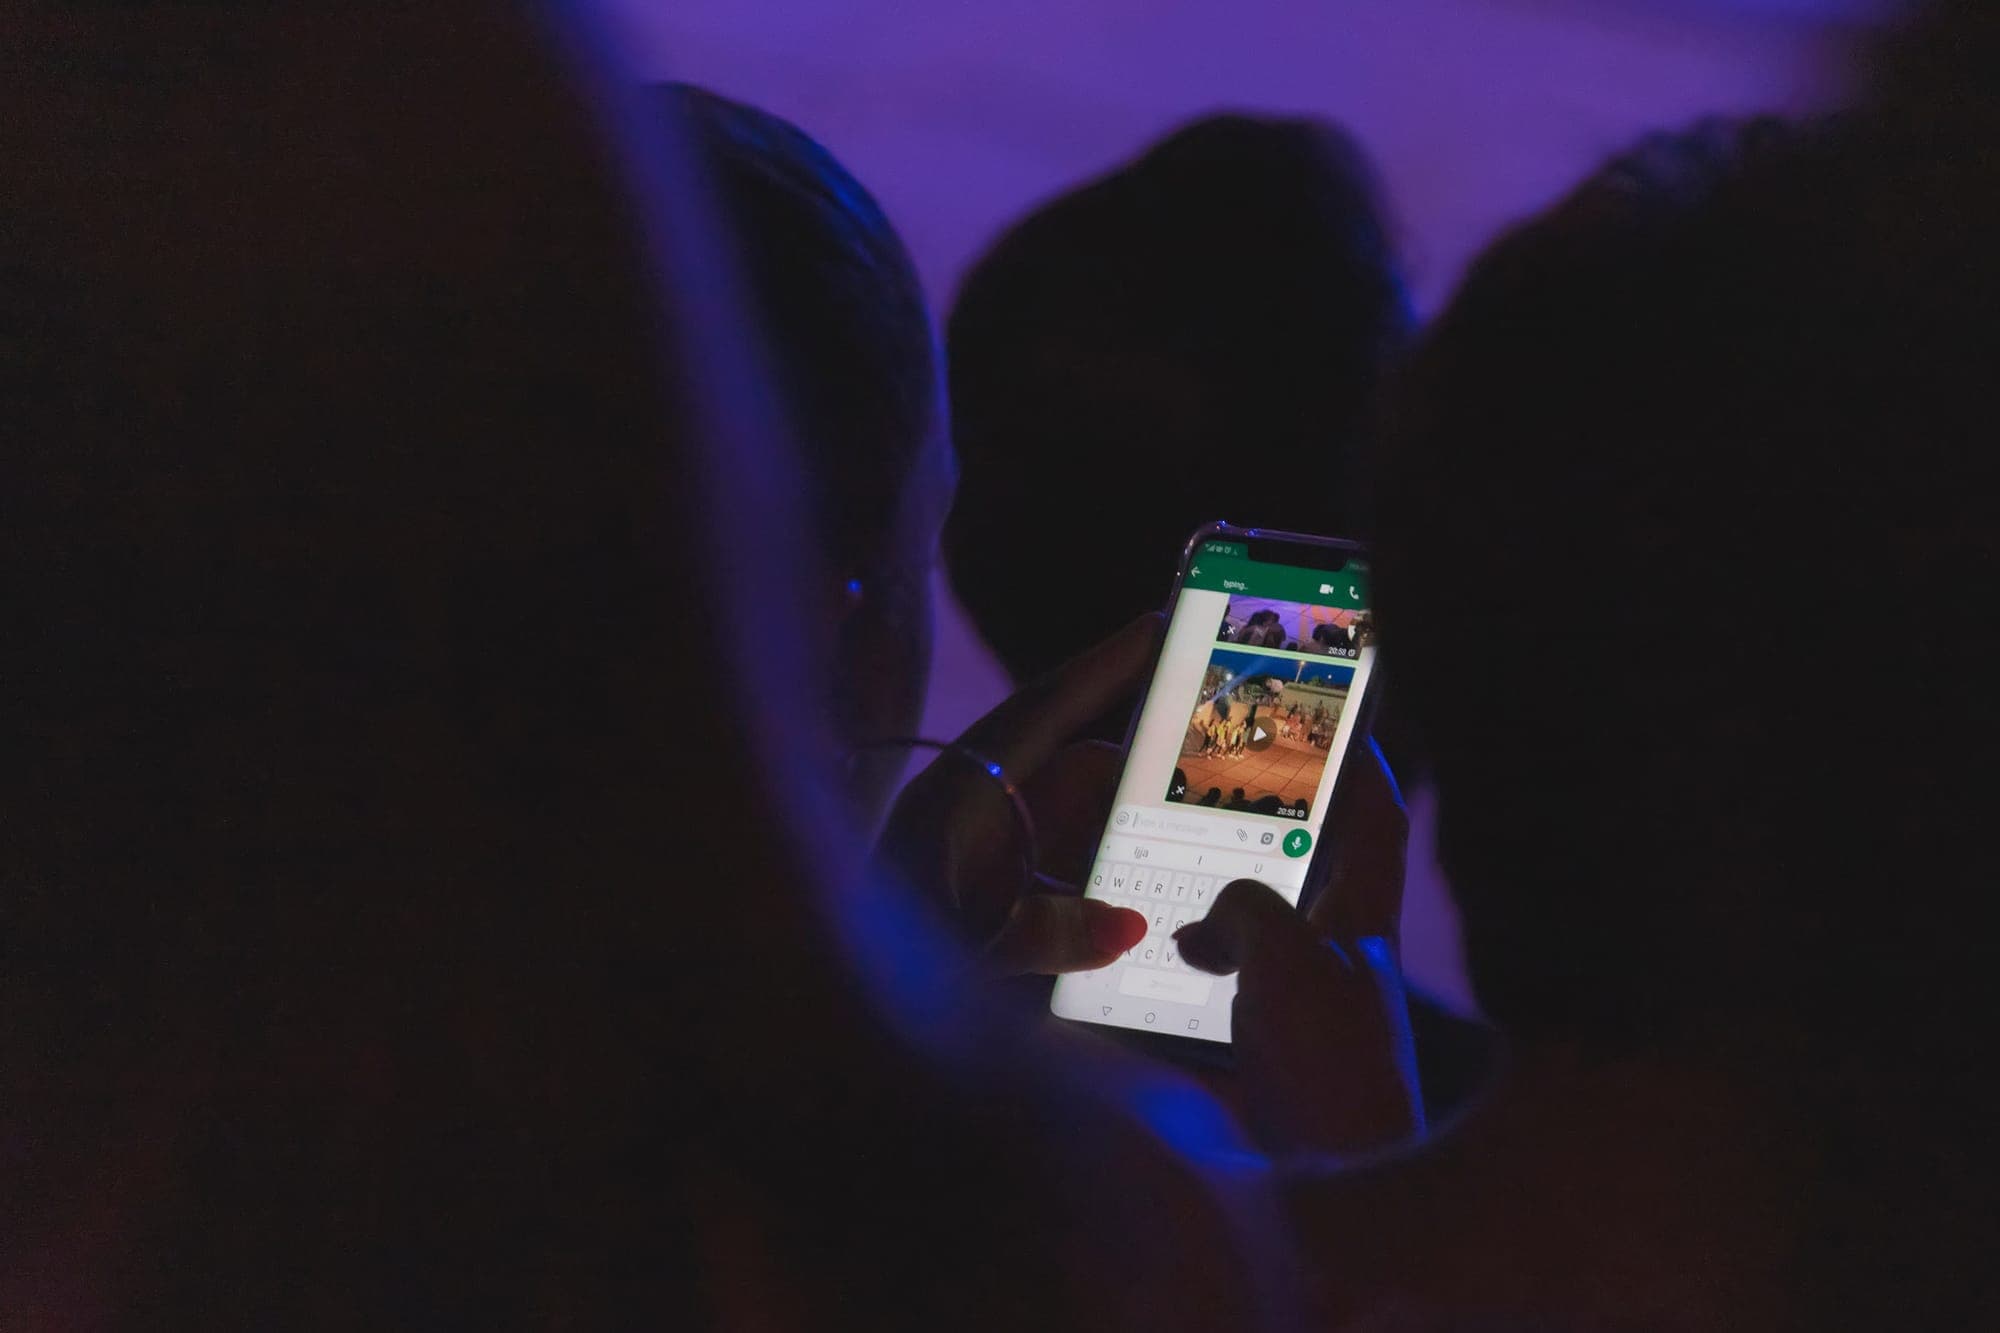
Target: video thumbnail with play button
(1260,733)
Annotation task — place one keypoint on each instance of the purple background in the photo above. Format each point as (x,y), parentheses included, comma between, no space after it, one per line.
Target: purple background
(961,116)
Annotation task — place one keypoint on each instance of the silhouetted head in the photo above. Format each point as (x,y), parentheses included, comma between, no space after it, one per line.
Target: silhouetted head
(1694,385)
(1733,376)
(1617,416)
(1130,361)
(377,911)
(855,358)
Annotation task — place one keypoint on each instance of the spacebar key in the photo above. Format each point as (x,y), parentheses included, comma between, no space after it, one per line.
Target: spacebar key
(1178,987)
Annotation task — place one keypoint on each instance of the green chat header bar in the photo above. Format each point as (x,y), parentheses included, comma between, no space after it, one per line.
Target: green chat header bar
(1225,567)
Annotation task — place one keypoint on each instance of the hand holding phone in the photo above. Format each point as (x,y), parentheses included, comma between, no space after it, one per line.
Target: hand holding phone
(1257,706)
(1324,1058)
(951,835)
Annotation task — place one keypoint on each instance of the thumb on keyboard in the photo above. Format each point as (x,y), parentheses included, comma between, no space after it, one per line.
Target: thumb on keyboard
(1052,933)
(1322,1032)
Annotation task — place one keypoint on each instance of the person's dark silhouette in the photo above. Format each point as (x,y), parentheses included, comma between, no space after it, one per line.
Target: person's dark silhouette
(1230,295)
(1731,1039)
(851,342)
(380,951)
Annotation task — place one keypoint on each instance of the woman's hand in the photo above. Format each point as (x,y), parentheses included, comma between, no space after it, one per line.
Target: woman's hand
(952,835)
(1321,1029)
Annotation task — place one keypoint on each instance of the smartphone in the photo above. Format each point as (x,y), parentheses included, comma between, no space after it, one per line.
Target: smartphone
(1259,704)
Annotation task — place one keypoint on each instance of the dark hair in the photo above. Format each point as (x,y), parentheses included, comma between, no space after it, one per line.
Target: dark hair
(1123,361)
(843,312)
(349,556)
(1736,371)
(1692,383)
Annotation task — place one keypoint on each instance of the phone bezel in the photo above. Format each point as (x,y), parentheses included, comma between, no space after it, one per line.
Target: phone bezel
(1318,866)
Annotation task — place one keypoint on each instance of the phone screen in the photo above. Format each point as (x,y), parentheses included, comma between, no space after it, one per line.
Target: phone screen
(1232,765)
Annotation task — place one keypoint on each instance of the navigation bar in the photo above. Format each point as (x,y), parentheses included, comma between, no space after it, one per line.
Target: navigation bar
(1346,588)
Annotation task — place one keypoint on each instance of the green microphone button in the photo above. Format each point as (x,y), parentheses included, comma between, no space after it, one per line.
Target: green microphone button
(1298,842)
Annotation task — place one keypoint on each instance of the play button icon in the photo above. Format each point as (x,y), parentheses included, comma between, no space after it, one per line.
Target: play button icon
(1261,735)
